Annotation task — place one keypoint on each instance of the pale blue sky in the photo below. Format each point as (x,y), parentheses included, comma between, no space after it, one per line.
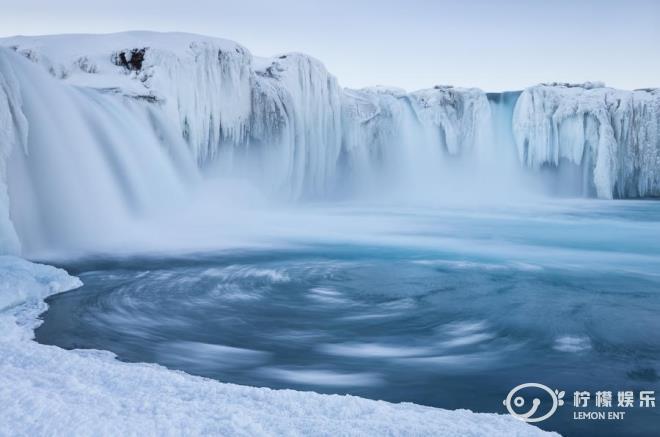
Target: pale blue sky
(413,44)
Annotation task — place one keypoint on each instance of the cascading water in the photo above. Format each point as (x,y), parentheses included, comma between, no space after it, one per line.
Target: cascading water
(501,109)
(91,164)
(140,117)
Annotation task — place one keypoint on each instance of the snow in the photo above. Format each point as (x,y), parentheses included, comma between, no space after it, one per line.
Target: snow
(48,390)
(284,119)
(23,286)
(143,118)
(202,82)
(13,133)
(80,165)
(297,120)
(452,119)
(614,135)
(389,134)
(461,114)
(286,123)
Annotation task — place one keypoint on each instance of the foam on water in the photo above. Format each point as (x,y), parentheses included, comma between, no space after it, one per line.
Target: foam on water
(323,377)
(572,344)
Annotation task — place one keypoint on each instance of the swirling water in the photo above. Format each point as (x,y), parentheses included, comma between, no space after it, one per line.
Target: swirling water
(450,307)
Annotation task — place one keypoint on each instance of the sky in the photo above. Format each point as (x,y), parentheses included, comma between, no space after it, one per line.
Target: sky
(412,44)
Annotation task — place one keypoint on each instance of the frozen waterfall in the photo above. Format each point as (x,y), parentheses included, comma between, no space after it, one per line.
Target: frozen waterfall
(82,164)
(612,136)
(98,132)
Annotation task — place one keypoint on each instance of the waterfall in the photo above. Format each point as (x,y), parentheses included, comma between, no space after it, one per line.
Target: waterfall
(100,135)
(501,107)
(610,138)
(91,164)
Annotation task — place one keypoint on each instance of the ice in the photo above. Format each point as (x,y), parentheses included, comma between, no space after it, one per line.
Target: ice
(306,132)
(613,135)
(48,390)
(287,123)
(13,134)
(23,286)
(203,83)
(461,114)
(82,165)
(283,121)
(144,118)
(406,141)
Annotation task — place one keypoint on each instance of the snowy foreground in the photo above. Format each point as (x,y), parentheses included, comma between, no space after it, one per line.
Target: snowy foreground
(45,390)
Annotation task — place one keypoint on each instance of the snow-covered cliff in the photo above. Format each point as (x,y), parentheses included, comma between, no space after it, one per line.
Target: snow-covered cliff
(222,96)
(202,83)
(296,123)
(149,104)
(140,116)
(613,135)
(390,136)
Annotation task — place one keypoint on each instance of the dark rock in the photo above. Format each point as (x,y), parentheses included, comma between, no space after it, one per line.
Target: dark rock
(135,61)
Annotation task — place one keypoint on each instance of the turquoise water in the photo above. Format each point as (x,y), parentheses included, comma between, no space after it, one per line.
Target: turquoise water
(445,307)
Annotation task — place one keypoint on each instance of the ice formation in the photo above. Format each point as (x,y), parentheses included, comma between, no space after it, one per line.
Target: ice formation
(94,162)
(296,122)
(613,135)
(202,83)
(128,122)
(45,389)
(287,113)
(13,134)
(390,135)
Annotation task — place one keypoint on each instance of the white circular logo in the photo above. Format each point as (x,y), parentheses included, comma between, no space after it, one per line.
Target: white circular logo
(519,401)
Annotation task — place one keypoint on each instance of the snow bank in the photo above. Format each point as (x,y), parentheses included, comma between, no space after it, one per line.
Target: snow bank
(614,135)
(48,390)
(23,286)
